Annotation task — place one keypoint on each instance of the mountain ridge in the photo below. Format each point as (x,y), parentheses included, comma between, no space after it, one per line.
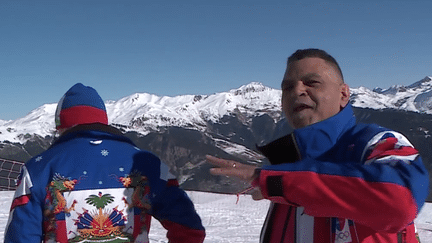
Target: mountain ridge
(145,113)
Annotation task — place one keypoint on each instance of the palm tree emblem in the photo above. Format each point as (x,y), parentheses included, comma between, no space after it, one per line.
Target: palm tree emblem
(100,201)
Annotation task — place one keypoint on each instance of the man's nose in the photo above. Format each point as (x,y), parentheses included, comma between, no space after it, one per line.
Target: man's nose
(300,89)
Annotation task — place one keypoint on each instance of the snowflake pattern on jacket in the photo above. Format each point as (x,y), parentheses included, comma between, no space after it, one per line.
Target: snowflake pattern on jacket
(94,185)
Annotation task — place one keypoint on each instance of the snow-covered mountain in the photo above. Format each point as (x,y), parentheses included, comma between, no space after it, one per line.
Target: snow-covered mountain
(144,113)
(416,97)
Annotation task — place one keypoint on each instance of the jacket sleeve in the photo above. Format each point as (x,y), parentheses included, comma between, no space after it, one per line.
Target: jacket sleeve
(25,218)
(176,212)
(384,192)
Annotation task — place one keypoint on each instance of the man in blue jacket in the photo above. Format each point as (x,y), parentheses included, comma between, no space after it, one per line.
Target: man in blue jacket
(94,185)
(332,179)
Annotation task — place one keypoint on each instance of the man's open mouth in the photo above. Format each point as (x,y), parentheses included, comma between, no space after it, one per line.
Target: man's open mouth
(301,108)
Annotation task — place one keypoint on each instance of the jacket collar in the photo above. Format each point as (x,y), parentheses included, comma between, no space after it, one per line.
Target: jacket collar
(95,131)
(318,138)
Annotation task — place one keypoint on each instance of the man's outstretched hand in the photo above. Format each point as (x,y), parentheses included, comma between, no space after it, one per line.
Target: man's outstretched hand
(232,168)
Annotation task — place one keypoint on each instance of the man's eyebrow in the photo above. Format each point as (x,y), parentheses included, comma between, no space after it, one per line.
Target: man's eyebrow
(311,75)
(285,81)
(306,76)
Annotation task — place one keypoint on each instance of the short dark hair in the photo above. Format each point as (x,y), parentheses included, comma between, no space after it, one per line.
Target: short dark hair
(313,52)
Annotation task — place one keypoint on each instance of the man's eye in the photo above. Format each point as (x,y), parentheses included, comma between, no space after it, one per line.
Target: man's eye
(287,87)
(311,82)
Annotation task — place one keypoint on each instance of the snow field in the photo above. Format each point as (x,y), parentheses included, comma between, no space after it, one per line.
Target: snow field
(224,220)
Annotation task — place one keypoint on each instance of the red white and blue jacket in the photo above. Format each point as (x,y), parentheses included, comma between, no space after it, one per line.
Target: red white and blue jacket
(95,185)
(338,181)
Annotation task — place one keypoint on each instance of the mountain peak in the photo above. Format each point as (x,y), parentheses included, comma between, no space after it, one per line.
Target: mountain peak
(252,87)
(393,90)
(426,81)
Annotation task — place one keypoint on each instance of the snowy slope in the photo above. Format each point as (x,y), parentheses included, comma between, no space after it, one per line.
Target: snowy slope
(144,112)
(224,220)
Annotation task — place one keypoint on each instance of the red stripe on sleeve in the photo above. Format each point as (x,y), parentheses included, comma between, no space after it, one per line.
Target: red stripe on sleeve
(388,147)
(19,201)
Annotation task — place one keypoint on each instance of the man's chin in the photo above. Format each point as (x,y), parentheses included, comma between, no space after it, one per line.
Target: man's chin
(301,121)
(300,124)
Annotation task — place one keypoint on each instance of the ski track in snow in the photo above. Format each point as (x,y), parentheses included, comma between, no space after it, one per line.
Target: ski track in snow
(224,220)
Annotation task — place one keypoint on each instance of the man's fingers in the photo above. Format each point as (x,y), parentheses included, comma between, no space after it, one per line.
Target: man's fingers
(217,171)
(224,171)
(220,162)
(256,195)
(231,168)
(243,174)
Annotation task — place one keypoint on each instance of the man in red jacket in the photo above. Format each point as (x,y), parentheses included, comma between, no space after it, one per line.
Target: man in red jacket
(332,179)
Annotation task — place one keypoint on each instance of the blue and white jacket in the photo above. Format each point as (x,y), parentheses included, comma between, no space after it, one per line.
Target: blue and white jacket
(339,181)
(95,185)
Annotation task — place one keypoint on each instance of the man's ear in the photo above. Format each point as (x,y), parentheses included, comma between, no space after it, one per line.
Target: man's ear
(345,95)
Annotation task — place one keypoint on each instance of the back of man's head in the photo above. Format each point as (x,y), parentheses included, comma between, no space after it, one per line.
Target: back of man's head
(313,52)
(80,105)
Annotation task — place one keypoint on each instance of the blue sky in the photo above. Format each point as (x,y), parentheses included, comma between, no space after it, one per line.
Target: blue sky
(177,47)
